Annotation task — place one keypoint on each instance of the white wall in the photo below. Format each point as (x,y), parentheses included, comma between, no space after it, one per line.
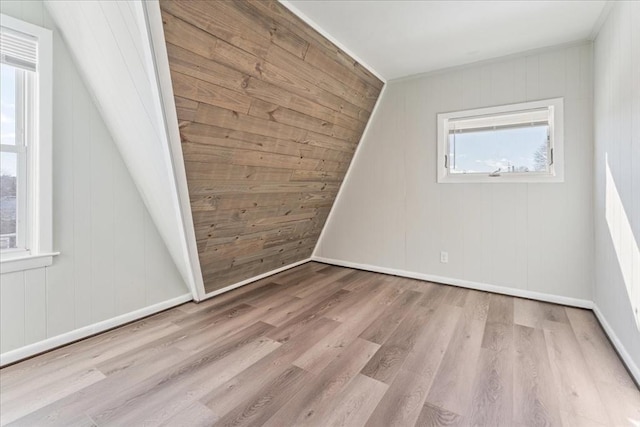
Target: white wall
(110,44)
(391,212)
(617,174)
(112,259)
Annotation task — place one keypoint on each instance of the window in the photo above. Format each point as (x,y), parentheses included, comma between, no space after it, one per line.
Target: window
(511,143)
(15,88)
(25,145)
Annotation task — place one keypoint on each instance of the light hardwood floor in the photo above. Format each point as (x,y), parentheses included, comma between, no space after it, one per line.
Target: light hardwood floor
(323,345)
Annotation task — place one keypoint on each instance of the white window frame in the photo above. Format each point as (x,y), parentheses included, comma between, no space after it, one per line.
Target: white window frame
(36,226)
(556,143)
(20,149)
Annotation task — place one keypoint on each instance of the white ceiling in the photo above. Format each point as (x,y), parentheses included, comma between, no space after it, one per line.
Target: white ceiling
(401,38)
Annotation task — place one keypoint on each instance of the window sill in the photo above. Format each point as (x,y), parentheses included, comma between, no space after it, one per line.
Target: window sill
(10,263)
(513,178)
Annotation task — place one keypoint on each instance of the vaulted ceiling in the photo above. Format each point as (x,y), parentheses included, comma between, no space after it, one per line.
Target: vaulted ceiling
(270,114)
(401,38)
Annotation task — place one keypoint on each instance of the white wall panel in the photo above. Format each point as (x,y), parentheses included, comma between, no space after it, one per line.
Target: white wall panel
(385,165)
(35,305)
(82,195)
(103,226)
(112,259)
(160,274)
(61,290)
(129,243)
(617,174)
(12,310)
(107,47)
(532,237)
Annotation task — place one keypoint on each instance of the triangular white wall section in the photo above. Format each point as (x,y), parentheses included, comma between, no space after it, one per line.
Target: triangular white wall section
(110,44)
(527,239)
(113,266)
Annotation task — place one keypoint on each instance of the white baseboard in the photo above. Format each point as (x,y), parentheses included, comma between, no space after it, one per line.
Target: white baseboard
(622,351)
(86,331)
(523,293)
(254,279)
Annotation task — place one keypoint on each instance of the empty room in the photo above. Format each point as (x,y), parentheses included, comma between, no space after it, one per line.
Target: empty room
(319,213)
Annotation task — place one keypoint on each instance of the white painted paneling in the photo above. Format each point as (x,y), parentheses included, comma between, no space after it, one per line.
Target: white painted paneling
(89,330)
(508,226)
(113,55)
(129,243)
(12,8)
(617,175)
(385,168)
(33,12)
(529,237)
(157,58)
(82,195)
(12,310)
(35,305)
(103,226)
(112,259)
(61,290)
(160,275)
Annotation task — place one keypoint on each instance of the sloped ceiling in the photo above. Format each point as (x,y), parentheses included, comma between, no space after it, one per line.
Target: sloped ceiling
(109,43)
(270,114)
(402,38)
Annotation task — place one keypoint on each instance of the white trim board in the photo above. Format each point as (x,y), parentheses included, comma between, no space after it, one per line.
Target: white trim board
(158,64)
(255,278)
(326,35)
(522,293)
(89,330)
(48,344)
(633,369)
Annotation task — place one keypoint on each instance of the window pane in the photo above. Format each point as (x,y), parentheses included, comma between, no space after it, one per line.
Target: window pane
(507,150)
(8,105)
(8,199)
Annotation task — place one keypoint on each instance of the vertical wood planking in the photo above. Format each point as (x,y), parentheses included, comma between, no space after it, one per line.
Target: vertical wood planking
(265,104)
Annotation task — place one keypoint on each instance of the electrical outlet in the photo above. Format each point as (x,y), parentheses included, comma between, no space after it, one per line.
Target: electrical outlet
(444,257)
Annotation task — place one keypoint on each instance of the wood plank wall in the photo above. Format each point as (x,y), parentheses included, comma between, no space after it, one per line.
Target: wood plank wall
(270,114)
